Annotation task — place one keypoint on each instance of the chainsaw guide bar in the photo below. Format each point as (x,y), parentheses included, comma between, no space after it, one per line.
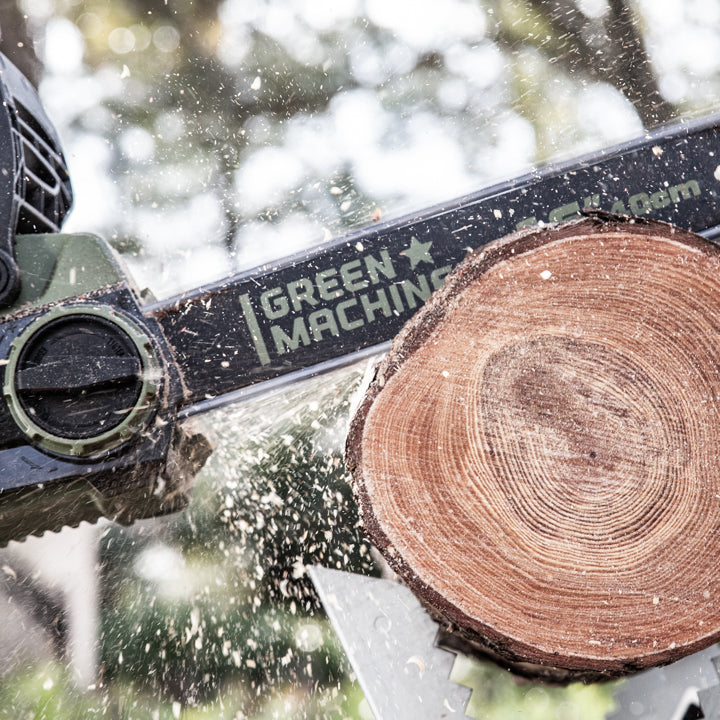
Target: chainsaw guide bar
(354,294)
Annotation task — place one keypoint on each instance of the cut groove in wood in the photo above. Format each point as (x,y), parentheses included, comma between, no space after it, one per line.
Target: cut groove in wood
(538,456)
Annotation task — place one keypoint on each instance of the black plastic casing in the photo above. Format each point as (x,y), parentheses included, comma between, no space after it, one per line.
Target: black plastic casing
(151,474)
(35,189)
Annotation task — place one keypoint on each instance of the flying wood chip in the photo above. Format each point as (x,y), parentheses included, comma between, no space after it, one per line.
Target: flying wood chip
(538,455)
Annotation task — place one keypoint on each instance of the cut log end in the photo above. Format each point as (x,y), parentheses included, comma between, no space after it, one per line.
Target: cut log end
(539,457)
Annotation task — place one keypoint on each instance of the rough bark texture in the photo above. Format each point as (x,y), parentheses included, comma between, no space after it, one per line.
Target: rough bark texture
(538,453)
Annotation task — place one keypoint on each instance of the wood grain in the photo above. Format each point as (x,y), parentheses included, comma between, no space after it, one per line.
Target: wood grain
(538,455)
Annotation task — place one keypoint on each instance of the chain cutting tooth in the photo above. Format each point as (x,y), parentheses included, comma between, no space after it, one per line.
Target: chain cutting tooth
(667,693)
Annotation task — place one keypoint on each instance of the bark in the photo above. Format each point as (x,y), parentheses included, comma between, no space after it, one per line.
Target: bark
(537,455)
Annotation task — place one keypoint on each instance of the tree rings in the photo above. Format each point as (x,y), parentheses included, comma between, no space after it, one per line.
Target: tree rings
(538,454)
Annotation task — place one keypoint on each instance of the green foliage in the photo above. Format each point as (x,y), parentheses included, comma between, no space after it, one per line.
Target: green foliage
(44,693)
(48,693)
(497,695)
(205,89)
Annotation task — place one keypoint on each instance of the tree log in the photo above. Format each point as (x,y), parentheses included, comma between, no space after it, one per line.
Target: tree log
(538,454)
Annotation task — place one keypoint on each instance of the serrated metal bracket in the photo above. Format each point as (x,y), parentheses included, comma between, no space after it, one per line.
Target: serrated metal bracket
(390,641)
(666,693)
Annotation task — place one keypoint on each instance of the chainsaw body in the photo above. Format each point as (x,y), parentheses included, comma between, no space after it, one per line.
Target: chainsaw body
(90,395)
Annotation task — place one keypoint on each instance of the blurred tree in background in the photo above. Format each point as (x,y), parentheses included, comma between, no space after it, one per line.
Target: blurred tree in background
(16,41)
(209,137)
(235,132)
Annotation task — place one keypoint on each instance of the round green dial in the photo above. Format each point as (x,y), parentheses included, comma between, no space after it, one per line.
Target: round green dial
(82,379)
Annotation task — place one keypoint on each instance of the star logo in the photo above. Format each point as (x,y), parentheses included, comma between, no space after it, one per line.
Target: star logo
(418,252)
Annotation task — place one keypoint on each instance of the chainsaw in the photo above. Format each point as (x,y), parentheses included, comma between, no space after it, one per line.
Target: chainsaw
(100,382)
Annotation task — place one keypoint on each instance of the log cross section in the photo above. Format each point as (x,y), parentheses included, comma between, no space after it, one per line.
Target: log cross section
(538,456)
